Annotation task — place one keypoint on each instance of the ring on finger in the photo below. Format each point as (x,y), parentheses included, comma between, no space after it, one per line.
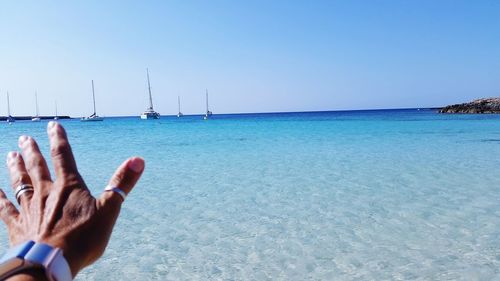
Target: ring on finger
(21,189)
(116,190)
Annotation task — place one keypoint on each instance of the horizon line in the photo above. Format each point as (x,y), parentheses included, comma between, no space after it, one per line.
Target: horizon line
(234,113)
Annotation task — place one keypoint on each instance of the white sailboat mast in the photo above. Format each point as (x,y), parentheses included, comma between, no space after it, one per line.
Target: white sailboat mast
(8,104)
(93,96)
(207,98)
(149,90)
(36,104)
(179,102)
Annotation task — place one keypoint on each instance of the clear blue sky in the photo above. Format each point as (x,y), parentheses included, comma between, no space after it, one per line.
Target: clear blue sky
(253,56)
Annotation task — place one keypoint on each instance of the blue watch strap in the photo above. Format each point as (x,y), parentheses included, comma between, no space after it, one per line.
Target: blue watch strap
(14,259)
(35,255)
(38,254)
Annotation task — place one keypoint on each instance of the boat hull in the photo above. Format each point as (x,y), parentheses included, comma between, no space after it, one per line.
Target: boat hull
(150,115)
(86,119)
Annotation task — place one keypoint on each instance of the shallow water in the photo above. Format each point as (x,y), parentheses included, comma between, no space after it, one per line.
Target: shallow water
(365,195)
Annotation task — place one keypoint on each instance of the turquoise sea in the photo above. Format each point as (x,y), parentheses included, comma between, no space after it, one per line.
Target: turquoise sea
(353,195)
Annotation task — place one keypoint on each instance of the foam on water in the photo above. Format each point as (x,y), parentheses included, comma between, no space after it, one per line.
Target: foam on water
(376,195)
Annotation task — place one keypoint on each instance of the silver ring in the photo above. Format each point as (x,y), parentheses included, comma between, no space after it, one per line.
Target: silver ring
(21,189)
(117,190)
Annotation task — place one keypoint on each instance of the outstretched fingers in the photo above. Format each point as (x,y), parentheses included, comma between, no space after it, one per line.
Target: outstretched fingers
(34,160)
(60,152)
(125,178)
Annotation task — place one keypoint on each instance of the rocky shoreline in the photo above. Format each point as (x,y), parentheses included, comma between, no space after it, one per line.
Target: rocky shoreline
(479,106)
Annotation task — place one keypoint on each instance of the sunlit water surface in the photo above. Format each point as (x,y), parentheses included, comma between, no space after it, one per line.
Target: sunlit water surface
(368,195)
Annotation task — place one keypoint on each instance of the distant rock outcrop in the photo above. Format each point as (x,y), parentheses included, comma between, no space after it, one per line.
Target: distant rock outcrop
(489,105)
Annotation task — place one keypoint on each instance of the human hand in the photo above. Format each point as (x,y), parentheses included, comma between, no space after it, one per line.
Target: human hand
(61,212)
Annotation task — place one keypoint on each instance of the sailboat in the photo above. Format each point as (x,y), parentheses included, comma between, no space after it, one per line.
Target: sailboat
(56,117)
(179,102)
(10,119)
(94,116)
(36,118)
(208,113)
(150,113)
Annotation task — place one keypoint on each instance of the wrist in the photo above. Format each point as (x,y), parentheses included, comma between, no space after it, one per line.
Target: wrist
(27,260)
(32,274)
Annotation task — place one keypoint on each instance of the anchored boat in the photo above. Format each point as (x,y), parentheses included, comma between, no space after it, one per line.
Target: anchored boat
(208,113)
(10,119)
(56,117)
(179,102)
(36,118)
(150,113)
(94,116)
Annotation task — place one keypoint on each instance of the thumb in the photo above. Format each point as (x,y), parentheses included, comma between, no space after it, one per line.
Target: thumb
(124,178)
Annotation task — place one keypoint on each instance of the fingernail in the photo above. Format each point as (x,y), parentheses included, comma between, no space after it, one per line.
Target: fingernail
(51,125)
(136,165)
(22,139)
(11,155)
